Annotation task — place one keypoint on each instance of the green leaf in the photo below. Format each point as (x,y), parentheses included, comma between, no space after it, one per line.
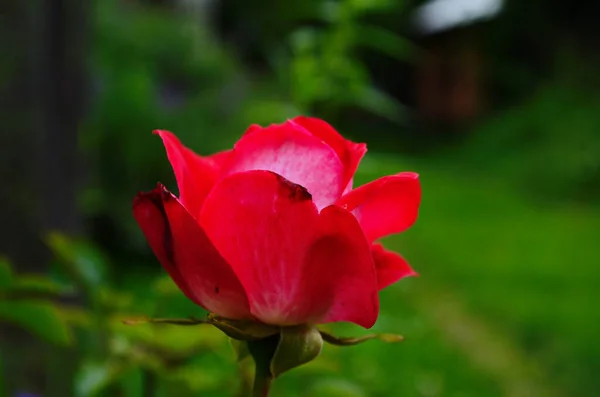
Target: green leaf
(132,383)
(173,321)
(381,104)
(243,330)
(6,276)
(35,287)
(350,341)
(236,329)
(83,261)
(297,345)
(94,376)
(240,349)
(36,283)
(165,286)
(42,319)
(386,42)
(26,286)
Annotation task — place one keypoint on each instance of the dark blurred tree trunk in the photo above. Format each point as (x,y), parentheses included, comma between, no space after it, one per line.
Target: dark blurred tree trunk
(18,203)
(61,77)
(42,99)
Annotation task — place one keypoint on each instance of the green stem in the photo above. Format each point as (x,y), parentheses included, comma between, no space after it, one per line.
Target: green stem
(262,383)
(262,352)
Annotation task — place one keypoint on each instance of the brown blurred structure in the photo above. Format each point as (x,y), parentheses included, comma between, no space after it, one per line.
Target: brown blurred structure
(450,74)
(449,77)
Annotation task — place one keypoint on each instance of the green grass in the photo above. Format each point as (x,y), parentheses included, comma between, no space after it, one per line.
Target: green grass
(425,364)
(526,275)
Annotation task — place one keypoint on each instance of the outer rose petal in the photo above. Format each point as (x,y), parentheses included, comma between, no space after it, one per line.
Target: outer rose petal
(297,266)
(339,267)
(195,174)
(188,256)
(286,149)
(385,206)
(390,266)
(263,224)
(349,152)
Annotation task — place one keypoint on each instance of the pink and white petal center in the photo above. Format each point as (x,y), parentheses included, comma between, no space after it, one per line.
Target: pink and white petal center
(298,157)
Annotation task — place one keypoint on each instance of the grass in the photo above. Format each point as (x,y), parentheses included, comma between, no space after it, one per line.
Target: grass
(523,277)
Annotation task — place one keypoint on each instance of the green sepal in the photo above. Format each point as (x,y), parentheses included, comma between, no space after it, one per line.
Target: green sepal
(236,329)
(351,341)
(242,329)
(173,321)
(293,347)
(297,345)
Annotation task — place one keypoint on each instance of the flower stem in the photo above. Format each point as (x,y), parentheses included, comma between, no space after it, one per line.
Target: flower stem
(262,383)
(262,352)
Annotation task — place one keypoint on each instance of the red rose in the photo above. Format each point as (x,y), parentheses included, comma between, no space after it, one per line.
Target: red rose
(272,229)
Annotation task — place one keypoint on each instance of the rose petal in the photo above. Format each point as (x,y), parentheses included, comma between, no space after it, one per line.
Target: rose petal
(349,152)
(289,151)
(297,266)
(262,224)
(189,257)
(195,174)
(391,267)
(385,206)
(340,268)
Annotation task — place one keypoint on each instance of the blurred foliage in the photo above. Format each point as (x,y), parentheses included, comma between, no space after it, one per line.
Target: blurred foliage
(24,303)
(548,146)
(154,68)
(322,69)
(505,242)
(116,359)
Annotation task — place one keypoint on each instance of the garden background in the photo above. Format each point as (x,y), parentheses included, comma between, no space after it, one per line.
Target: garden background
(494,103)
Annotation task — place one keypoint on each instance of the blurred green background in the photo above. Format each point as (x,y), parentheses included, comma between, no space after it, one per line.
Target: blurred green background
(494,103)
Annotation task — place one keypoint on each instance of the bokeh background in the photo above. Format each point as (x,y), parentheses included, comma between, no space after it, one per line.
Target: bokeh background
(495,103)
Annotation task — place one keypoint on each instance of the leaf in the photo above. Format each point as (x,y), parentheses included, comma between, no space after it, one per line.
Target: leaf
(35,283)
(132,383)
(386,42)
(297,345)
(350,341)
(366,6)
(42,319)
(19,286)
(243,330)
(381,104)
(77,317)
(83,261)
(94,376)
(6,276)
(172,321)
(170,341)
(240,349)
(165,286)
(236,329)
(35,287)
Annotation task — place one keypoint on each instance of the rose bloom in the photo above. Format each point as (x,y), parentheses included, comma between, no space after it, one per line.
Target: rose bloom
(273,231)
